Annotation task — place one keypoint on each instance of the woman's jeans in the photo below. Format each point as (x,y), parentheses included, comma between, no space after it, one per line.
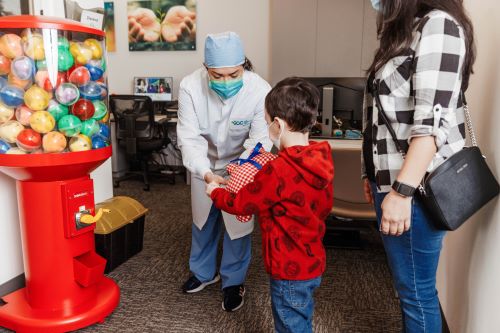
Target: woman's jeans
(413,259)
(293,304)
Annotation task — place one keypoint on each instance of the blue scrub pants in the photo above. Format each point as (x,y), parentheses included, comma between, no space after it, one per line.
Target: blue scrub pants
(236,254)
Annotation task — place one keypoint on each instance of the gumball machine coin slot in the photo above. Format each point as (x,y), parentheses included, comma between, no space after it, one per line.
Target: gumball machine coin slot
(54,131)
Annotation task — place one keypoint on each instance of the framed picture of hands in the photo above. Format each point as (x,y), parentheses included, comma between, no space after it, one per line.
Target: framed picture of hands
(161,25)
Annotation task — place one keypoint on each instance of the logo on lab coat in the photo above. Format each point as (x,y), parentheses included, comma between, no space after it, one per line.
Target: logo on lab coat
(241,122)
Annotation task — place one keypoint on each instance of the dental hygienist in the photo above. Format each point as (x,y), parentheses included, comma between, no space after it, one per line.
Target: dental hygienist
(221,114)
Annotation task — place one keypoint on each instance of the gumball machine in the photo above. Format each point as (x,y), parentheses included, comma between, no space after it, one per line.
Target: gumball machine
(54,130)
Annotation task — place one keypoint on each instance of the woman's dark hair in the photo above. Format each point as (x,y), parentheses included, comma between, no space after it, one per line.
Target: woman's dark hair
(247,65)
(396,22)
(296,101)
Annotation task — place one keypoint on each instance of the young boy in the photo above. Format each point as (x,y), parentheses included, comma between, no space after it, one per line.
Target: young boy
(292,196)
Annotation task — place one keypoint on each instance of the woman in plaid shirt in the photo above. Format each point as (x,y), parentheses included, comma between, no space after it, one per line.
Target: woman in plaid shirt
(424,62)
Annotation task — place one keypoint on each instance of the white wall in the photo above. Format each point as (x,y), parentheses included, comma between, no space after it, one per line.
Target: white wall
(11,260)
(469,272)
(329,38)
(250,19)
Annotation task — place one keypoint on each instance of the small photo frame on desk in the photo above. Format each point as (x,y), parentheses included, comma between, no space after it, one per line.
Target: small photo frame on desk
(158,88)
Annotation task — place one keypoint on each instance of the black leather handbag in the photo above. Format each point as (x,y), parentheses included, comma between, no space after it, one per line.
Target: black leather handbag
(457,188)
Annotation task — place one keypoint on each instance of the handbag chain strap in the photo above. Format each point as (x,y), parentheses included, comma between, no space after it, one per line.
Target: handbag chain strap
(468,121)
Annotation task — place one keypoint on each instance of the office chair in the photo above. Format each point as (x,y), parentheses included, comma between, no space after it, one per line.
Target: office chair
(350,212)
(137,131)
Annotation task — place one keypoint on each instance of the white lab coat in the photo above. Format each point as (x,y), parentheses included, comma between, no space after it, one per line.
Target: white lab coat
(212,131)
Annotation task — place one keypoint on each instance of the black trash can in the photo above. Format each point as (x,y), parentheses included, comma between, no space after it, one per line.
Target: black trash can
(119,234)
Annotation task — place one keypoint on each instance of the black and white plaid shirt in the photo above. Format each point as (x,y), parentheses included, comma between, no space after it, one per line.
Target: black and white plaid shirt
(420,93)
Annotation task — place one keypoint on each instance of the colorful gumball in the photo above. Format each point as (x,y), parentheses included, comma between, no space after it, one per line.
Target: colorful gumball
(17,82)
(67,94)
(98,142)
(57,110)
(6,113)
(33,46)
(41,65)
(104,90)
(80,142)
(69,125)
(65,59)
(100,110)
(10,130)
(80,76)
(23,67)
(12,96)
(62,42)
(104,131)
(90,127)
(4,65)
(95,46)
(92,91)
(96,73)
(54,142)
(105,119)
(103,64)
(23,114)
(43,80)
(42,122)
(29,140)
(81,52)
(41,77)
(15,151)
(3,82)
(83,109)
(36,98)
(10,46)
(4,147)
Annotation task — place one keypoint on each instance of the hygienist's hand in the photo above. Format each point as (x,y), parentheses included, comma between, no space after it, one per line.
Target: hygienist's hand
(210,187)
(179,23)
(396,214)
(143,26)
(213,178)
(368,191)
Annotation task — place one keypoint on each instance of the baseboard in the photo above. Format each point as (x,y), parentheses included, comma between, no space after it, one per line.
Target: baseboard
(12,285)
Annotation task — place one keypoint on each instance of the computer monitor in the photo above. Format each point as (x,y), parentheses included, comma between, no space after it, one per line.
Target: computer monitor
(340,97)
(159,89)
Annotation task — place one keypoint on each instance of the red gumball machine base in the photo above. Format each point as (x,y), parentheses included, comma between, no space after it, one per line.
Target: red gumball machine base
(19,316)
(65,284)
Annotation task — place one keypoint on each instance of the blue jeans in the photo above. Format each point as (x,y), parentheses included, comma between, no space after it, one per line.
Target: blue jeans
(293,304)
(413,259)
(236,253)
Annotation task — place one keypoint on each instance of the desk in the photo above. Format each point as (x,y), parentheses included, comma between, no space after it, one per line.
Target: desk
(342,144)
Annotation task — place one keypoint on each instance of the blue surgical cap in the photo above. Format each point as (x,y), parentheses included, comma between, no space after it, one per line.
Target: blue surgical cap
(224,50)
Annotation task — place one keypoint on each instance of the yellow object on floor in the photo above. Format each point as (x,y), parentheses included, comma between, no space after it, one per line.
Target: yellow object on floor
(122,210)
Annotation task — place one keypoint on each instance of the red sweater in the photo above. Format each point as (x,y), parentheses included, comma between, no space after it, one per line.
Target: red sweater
(292,196)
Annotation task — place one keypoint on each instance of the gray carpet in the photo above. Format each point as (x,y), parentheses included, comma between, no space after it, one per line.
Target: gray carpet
(355,295)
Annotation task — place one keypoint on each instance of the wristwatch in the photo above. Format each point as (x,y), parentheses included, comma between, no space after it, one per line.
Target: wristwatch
(402,189)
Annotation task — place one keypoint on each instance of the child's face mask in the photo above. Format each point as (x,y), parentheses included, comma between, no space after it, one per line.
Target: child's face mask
(276,129)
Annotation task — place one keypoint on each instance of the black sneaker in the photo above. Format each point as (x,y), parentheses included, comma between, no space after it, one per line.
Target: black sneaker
(233,298)
(193,285)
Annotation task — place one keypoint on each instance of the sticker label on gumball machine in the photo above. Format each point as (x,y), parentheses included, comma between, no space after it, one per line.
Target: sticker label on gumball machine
(92,19)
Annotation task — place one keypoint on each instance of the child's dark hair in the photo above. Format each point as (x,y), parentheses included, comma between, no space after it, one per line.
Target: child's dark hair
(296,101)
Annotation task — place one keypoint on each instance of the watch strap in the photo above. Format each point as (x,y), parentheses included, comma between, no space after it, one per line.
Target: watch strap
(403,189)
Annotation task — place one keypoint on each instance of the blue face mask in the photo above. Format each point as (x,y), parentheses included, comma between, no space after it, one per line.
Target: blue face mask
(376,5)
(226,89)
